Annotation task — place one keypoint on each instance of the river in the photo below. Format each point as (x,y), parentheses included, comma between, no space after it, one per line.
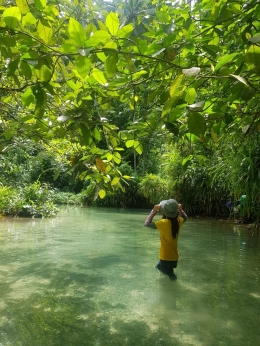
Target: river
(88,277)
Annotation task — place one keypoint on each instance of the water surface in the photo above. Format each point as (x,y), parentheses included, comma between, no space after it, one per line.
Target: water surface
(87,277)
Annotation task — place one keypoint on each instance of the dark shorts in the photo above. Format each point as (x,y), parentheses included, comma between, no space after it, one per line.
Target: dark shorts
(166,267)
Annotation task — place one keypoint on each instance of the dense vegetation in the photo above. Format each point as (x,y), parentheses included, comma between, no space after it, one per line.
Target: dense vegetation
(131,102)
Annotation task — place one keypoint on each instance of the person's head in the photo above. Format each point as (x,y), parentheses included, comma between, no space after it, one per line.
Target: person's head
(169,209)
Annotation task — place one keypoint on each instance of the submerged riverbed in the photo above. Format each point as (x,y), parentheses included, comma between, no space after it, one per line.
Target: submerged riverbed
(87,277)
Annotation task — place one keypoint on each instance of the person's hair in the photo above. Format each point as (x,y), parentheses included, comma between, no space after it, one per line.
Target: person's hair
(175,226)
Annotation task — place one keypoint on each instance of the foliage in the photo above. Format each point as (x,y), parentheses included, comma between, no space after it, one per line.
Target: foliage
(188,71)
(154,188)
(30,201)
(67,198)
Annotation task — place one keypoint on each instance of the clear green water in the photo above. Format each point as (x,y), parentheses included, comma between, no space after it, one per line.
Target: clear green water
(87,277)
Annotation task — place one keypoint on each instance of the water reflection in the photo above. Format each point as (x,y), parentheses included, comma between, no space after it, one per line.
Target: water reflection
(88,278)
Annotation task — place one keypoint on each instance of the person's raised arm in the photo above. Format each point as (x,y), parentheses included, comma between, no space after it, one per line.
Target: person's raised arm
(182,212)
(154,211)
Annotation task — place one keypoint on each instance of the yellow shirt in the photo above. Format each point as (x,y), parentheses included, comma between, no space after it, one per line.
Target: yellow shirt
(169,245)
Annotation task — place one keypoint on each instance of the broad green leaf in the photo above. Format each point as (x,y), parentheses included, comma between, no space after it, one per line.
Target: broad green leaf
(196,124)
(112,23)
(43,72)
(186,159)
(76,32)
(87,138)
(23,6)
(99,36)
(115,181)
(12,66)
(99,76)
(138,147)
(117,158)
(129,143)
(28,118)
(163,16)
(39,110)
(9,133)
(175,86)
(25,70)
(44,31)
(240,79)
(83,66)
(28,19)
(253,55)
(111,64)
(12,17)
(190,95)
(96,133)
(102,193)
(224,60)
(125,31)
(138,74)
(28,97)
(101,25)
(40,4)
(68,48)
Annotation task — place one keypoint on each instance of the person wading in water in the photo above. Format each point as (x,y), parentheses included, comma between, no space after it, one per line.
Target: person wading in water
(169,227)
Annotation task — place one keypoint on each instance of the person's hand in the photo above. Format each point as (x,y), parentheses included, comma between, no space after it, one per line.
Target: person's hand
(179,207)
(156,208)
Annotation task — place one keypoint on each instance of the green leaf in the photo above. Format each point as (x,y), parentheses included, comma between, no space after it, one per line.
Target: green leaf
(99,76)
(117,158)
(28,97)
(23,6)
(138,147)
(163,16)
(253,55)
(125,31)
(112,23)
(115,181)
(44,31)
(190,95)
(9,133)
(12,66)
(43,72)
(186,159)
(111,64)
(102,193)
(129,143)
(12,17)
(25,70)
(224,60)
(99,36)
(96,133)
(83,66)
(40,4)
(138,74)
(76,32)
(86,134)
(28,19)
(175,86)
(196,124)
